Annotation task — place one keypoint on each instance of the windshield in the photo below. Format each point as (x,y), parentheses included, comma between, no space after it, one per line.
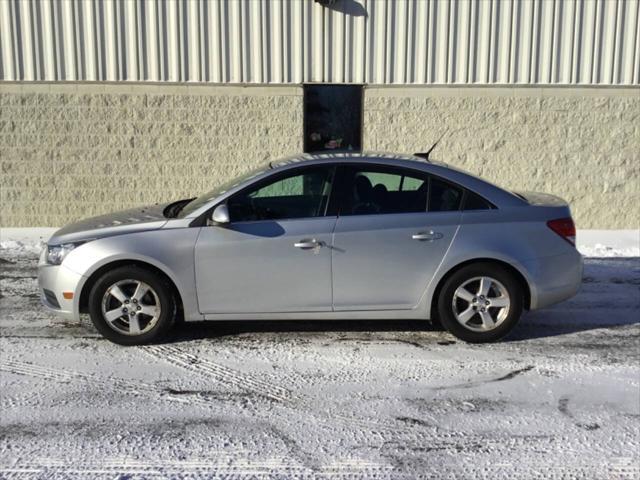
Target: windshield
(195,204)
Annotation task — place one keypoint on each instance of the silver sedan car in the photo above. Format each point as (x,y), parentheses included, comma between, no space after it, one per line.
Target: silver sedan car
(335,236)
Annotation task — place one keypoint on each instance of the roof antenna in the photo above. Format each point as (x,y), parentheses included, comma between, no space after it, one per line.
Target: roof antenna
(425,155)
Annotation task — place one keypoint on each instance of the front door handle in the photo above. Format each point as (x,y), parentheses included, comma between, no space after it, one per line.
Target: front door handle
(307,244)
(429,236)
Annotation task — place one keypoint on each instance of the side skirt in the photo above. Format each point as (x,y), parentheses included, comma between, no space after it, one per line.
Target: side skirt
(415,314)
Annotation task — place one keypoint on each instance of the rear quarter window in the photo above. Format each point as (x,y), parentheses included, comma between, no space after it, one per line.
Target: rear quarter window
(444,196)
(473,201)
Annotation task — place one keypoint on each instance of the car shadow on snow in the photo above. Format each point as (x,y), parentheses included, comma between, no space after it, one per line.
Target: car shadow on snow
(533,326)
(199,330)
(543,324)
(608,300)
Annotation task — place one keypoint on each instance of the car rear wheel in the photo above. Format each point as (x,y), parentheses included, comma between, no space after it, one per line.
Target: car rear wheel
(132,306)
(480,303)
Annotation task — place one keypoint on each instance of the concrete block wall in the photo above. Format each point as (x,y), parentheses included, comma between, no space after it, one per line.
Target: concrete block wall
(582,144)
(73,150)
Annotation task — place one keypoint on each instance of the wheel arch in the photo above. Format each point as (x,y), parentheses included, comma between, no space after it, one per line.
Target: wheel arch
(95,275)
(526,288)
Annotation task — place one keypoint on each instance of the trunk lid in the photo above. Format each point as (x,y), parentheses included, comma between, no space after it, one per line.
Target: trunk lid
(542,199)
(555,210)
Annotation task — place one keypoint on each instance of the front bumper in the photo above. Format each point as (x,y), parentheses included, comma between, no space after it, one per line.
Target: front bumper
(554,279)
(53,280)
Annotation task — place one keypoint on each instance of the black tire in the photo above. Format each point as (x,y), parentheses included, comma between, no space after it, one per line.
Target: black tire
(165,297)
(446,312)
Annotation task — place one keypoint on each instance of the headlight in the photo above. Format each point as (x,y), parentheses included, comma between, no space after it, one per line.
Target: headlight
(57,253)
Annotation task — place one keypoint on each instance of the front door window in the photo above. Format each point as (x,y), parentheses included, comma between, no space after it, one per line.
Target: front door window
(296,195)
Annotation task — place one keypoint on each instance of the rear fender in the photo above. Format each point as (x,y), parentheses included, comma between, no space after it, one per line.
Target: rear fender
(455,260)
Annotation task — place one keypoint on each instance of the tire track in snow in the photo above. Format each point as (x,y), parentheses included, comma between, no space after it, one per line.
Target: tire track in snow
(219,373)
(222,464)
(563,408)
(226,375)
(214,371)
(67,376)
(210,370)
(192,364)
(23,368)
(476,383)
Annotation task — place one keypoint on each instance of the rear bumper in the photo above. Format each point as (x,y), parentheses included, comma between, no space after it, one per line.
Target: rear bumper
(53,280)
(554,279)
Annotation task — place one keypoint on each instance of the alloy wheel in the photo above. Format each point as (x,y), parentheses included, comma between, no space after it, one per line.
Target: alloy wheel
(131,307)
(481,304)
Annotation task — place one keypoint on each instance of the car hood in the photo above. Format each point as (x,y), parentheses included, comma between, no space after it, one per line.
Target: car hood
(126,221)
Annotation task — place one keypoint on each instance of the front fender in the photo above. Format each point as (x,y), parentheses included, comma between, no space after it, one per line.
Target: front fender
(170,251)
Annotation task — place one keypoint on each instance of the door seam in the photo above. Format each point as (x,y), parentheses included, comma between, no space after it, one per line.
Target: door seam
(332,250)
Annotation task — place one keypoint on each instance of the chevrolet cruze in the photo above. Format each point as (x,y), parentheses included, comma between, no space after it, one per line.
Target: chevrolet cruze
(330,236)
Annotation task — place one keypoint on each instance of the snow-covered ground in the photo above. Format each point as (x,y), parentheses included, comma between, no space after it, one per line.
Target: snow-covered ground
(380,399)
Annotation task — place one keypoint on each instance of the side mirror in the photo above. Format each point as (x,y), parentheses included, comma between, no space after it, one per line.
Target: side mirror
(220,216)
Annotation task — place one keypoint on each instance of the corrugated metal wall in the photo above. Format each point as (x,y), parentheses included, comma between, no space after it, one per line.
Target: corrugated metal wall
(294,41)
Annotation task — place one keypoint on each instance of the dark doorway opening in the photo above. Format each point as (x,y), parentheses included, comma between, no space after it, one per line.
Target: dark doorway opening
(332,117)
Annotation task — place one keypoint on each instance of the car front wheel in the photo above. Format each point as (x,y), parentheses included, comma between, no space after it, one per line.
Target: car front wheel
(132,306)
(480,303)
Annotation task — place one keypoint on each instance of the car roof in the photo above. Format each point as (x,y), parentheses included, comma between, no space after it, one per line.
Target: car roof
(348,156)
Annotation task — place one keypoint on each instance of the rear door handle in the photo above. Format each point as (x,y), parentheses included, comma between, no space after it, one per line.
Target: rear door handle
(429,236)
(307,244)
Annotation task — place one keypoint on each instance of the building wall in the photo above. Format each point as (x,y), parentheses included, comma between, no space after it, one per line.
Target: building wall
(541,42)
(71,151)
(580,144)
(74,150)
(95,139)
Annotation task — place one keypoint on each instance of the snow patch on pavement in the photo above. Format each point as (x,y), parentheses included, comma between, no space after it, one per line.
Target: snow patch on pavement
(28,240)
(609,243)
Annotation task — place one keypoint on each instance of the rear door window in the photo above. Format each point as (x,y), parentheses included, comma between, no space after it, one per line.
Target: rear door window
(381,190)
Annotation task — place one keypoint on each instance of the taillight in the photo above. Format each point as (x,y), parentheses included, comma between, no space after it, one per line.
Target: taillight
(565,228)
